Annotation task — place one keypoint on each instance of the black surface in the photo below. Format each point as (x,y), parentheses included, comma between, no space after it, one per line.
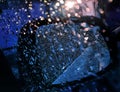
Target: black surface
(8,82)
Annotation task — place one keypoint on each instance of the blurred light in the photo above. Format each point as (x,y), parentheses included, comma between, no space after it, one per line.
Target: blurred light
(49,20)
(86,38)
(88,9)
(110,1)
(69,4)
(57,19)
(68,15)
(29,16)
(86,29)
(57,4)
(61,1)
(101,11)
(79,1)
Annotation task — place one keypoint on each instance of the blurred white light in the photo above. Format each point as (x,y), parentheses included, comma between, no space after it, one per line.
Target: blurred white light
(29,16)
(68,15)
(76,14)
(69,4)
(86,38)
(57,4)
(61,1)
(49,20)
(79,1)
